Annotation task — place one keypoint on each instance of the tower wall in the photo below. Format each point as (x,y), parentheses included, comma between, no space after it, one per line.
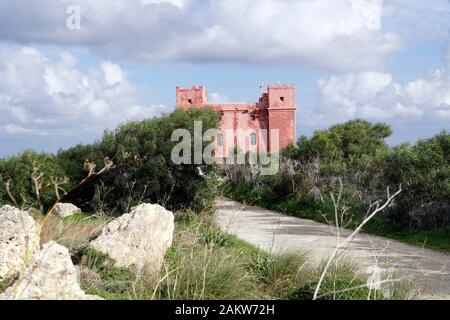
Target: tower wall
(195,97)
(275,110)
(282,108)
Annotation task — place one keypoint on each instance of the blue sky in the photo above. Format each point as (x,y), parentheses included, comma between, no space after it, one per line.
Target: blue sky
(378,60)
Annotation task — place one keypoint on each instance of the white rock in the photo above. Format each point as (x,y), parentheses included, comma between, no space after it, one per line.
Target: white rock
(66,210)
(19,239)
(139,238)
(50,275)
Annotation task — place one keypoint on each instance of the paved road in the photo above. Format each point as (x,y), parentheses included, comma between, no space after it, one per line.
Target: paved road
(429,270)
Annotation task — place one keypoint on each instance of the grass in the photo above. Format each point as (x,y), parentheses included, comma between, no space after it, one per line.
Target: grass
(100,277)
(205,264)
(438,239)
(72,231)
(6,283)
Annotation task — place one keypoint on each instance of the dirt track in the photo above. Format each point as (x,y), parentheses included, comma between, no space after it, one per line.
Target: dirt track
(429,270)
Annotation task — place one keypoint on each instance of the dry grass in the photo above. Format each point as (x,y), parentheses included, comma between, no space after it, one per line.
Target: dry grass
(206,265)
(71,231)
(203,264)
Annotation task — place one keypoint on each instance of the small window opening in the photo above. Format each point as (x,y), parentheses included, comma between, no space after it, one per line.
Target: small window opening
(253,139)
(282,99)
(253,117)
(220,140)
(190,101)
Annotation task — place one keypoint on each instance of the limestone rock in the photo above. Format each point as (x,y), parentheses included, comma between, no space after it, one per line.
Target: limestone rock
(139,238)
(19,239)
(66,209)
(50,275)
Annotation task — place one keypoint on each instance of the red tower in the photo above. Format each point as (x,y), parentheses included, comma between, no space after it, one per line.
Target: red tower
(282,115)
(192,97)
(267,125)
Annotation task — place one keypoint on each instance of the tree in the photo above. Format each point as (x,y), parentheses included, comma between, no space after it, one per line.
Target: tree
(31,179)
(144,170)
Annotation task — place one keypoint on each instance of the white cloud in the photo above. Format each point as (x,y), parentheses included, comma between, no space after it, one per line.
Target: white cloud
(14,129)
(345,34)
(39,96)
(113,73)
(177,3)
(376,96)
(417,20)
(214,97)
(20,114)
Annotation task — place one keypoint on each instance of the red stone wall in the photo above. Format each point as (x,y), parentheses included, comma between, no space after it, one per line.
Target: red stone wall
(275,110)
(192,97)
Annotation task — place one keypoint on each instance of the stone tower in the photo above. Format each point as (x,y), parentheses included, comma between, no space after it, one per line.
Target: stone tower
(269,124)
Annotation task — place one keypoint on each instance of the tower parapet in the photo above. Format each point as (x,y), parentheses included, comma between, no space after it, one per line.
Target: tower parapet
(194,97)
(281,96)
(273,116)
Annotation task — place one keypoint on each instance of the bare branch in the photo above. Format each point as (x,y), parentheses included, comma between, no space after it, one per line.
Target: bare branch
(352,236)
(10,195)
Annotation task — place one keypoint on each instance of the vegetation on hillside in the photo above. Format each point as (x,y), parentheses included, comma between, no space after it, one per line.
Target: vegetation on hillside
(206,264)
(356,155)
(350,159)
(143,170)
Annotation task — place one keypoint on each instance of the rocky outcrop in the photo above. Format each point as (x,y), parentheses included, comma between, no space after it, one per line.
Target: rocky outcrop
(139,238)
(19,239)
(66,210)
(50,275)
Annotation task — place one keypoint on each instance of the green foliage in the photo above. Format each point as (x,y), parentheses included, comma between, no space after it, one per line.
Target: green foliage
(356,154)
(100,277)
(144,171)
(30,177)
(342,146)
(213,237)
(142,151)
(77,217)
(207,264)
(95,259)
(334,288)
(422,169)
(72,160)
(5,284)
(280,274)
(196,270)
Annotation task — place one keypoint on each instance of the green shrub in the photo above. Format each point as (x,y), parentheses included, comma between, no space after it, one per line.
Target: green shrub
(356,154)
(195,270)
(145,172)
(343,287)
(100,277)
(30,177)
(212,237)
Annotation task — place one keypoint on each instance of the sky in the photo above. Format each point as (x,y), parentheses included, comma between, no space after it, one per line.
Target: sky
(69,69)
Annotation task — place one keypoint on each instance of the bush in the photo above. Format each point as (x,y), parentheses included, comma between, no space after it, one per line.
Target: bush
(356,154)
(30,178)
(145,172)
(424,172)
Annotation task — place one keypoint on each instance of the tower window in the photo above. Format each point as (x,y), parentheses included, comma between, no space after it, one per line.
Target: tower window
(282,99)
(253,139)
(190,101)
(220,140)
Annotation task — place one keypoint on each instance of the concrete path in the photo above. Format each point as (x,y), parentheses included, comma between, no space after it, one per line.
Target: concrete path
(429,270)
